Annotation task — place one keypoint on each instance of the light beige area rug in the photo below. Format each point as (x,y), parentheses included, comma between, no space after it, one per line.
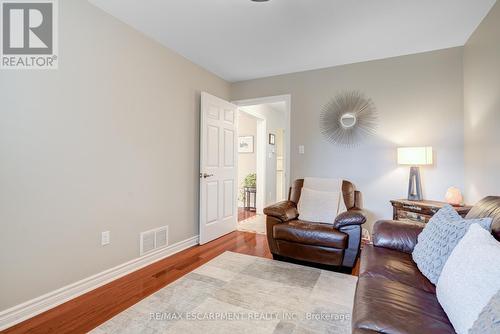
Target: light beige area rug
(236,293)
(255,224)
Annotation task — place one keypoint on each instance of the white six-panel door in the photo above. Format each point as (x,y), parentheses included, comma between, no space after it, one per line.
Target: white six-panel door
(218,168)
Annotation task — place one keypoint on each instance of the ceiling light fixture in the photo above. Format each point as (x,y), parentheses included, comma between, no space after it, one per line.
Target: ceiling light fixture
(259,0)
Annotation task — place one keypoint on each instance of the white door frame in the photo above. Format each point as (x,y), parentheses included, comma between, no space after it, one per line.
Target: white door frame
(261,165)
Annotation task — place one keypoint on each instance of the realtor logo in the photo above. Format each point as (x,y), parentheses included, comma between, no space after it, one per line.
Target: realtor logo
(29,34)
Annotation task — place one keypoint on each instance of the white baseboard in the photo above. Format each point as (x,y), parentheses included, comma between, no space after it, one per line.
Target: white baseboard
(26,310)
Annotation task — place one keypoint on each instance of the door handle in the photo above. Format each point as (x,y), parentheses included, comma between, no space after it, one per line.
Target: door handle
(205,175)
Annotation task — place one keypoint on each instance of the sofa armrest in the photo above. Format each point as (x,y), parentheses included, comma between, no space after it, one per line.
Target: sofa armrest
(284,211)
(351,217)
(397,235)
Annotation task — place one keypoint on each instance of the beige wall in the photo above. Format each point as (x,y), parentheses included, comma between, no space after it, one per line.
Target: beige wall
(109,141)
(247,162)
(420,102)
(482,108)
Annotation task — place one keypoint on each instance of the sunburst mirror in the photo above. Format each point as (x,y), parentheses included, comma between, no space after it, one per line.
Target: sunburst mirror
(348,118)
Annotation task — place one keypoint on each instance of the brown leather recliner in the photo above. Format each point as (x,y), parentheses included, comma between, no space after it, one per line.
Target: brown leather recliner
(392,295)
(335,244)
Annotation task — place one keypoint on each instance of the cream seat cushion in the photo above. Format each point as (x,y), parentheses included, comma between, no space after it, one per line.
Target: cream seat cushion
(321,200)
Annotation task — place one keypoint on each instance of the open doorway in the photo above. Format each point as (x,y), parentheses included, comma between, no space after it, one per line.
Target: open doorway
(247,164)
(263,158)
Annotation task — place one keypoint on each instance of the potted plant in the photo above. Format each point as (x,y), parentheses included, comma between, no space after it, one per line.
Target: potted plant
(250,181)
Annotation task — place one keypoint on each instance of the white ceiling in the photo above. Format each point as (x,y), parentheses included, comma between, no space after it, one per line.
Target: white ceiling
(278,106)
(241,39)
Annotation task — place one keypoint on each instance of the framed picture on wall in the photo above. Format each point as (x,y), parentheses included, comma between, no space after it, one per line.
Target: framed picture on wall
(272,139)
(245,144)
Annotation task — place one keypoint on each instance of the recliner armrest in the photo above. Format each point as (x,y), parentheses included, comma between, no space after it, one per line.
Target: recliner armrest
(351,217)
(284,211)
(397,235)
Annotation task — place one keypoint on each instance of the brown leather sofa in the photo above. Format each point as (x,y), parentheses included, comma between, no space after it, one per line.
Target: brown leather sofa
(330,245)
(392,295)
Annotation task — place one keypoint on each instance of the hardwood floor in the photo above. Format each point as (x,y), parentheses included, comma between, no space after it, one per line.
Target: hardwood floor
(88,311)
(95,307)
(245,214)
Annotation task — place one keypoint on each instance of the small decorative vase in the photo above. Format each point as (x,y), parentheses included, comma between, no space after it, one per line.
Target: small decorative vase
(454,196)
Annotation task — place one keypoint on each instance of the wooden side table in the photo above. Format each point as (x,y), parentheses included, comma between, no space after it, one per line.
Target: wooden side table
(421,211)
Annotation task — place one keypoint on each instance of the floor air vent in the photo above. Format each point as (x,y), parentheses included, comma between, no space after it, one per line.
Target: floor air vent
(154,239)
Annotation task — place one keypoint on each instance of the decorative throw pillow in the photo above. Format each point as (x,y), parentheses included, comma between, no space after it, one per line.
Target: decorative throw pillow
(318,206)
(488,321)
(438,239)
(469,280)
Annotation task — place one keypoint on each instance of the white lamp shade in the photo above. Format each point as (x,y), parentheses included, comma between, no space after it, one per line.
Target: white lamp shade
(415,156)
